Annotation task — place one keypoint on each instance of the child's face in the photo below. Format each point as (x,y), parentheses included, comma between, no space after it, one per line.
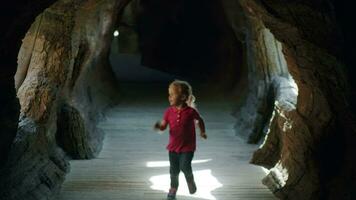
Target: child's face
(175,97)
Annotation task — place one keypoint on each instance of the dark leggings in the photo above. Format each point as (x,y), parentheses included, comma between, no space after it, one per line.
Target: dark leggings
(180,162)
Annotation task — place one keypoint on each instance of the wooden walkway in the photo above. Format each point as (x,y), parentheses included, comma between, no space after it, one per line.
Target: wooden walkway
(133,164)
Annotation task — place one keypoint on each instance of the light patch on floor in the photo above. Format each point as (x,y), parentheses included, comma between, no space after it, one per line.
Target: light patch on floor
(204,180)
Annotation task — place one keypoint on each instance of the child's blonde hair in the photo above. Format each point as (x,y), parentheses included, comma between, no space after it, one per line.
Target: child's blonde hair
(186,89)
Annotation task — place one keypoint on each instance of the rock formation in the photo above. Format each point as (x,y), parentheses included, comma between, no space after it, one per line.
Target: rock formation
(306,90)
(64,83)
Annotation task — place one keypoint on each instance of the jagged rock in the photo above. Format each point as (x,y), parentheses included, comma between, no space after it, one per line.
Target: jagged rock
(16,20)
(36,166)
(63,74)
(265,63)
(302,130)
(128,40)
(71,133)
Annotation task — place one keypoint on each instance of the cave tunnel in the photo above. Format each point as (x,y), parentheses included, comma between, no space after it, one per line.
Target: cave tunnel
(176,39)
(84,82)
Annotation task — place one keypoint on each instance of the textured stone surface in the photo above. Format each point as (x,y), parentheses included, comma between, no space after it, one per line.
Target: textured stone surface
(128,39)
(264,61)
(71,135)
(16,20)
(307,147)
(64,83)
(36,166)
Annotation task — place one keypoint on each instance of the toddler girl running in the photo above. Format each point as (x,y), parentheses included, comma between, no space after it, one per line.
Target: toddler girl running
(181,118)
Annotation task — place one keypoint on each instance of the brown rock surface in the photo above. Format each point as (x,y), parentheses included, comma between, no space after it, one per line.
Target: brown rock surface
(16,19)
(308,143)
(64,83)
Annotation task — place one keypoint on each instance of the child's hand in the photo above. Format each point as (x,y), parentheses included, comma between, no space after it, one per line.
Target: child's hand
(157,126)
(203,135)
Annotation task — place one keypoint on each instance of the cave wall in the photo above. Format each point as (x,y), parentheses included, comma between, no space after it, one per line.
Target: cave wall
(64,84)
(16,19)
(128,39)
(266,72)
(309,134)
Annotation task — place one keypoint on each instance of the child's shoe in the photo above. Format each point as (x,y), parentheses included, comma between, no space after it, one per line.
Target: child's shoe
(192,187)
(172,194)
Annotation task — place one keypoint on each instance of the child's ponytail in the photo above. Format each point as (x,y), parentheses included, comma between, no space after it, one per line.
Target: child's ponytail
(191,101)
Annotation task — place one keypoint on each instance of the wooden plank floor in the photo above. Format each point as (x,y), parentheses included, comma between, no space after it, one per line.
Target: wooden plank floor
(133,163)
